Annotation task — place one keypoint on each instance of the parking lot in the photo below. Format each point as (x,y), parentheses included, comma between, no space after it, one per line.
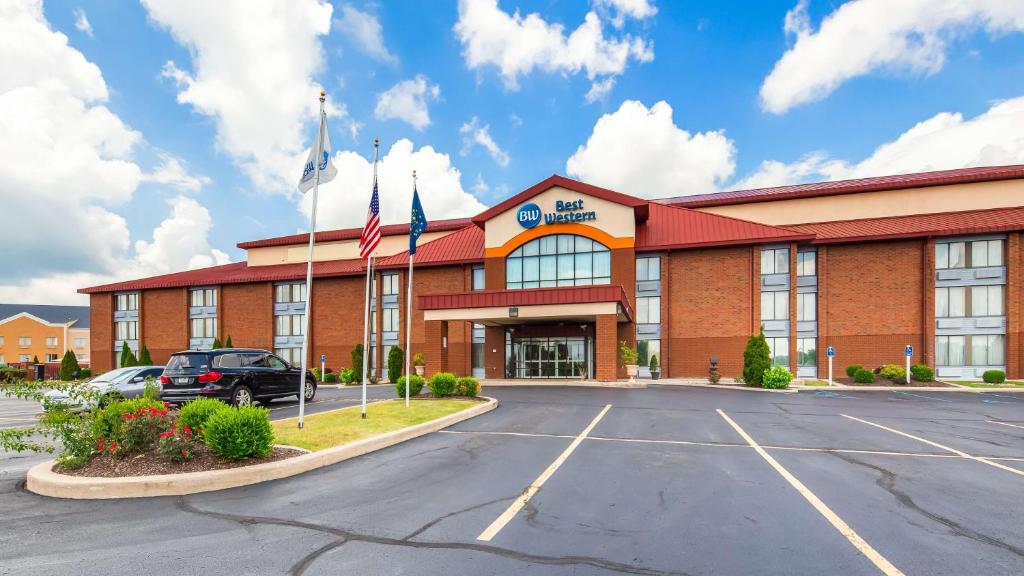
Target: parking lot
(592,481)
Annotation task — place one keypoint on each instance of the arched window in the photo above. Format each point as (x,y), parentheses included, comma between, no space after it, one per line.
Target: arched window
(558,260)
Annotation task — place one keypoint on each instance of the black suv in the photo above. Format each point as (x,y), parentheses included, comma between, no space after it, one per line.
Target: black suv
(237,375)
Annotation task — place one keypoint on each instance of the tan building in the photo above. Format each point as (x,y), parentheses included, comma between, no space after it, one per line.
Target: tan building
(30,331)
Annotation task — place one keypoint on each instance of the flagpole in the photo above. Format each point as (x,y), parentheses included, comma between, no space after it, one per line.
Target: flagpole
(309,262)
(408,311)
(369,268)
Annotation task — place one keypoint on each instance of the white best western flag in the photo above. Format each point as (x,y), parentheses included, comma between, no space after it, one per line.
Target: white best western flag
(327,169)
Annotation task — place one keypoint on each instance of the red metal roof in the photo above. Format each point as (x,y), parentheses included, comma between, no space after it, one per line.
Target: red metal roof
(674,227)
(235,273)
(528,297)
(916,226)
(894,182)
(639,205)
(462,247)
(353,233)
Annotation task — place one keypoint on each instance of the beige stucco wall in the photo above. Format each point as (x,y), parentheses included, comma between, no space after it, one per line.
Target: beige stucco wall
(614,219)
(584,311)
(928,200)
(341,250)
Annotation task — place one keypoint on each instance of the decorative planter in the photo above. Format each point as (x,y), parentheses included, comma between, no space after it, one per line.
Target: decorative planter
(631,371)
(420,370)
(655,374)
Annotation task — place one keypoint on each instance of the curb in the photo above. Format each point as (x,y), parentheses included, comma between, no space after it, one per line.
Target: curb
(729,387)
(44,481)
(961,390)
(566,384)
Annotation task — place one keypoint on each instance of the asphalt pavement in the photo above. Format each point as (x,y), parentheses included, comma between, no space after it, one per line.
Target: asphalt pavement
(591,481)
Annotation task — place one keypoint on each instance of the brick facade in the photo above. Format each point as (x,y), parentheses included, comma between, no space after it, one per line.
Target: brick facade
(163,322)
(337,320)
(101,332)
(247,314)
(1014,305)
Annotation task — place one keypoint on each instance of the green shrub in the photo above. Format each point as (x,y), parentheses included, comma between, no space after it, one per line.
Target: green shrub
(144,358)
(177,444)
(852,369)
(627,354)
(863,376)
(396,361)
(317,374)
(893,372)
(127,356)
(82,373)
(106,422)
(994,376)
(921,373)
(442,384)
(140,430)
(654,363)
(757,358)
(228,343)
(239,432)
(331,378)
(776,377)
(195,413)
(418,359)
(68,365)
(415,387)
(74,431)
(348,376)
(9,374)
(357,363)
(467,386)
(216,344)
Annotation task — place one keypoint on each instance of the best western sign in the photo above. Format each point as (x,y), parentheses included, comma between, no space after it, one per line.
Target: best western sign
(530,215)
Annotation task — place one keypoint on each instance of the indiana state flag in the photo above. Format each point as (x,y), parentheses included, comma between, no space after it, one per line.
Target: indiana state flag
(321,149)
(419,221)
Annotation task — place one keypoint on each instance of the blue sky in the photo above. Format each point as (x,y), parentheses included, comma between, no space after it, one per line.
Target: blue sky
(209,107)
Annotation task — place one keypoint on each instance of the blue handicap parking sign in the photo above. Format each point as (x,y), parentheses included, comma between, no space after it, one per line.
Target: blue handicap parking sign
(323,358)
(831,351)
(909,350)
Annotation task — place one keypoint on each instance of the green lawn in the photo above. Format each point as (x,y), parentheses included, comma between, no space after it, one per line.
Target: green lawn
(815,382)
(342,426)
(979,384)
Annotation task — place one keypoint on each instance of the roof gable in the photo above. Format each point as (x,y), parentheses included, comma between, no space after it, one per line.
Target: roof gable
(638,205)
(77,316)
(676,227)
(462,247)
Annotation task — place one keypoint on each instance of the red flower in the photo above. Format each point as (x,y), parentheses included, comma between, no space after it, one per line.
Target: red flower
(184,453)
(186,429)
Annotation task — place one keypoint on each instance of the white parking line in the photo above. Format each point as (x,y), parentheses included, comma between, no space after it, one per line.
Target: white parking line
(1005,424)
(859,543)
(518,504)
(937,445)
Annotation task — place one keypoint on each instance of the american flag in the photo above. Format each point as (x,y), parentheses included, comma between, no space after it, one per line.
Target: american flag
(371,232)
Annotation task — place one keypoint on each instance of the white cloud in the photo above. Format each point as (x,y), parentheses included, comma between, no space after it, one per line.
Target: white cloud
(517,45)
(408,101)
(172,172)
(642,152)
(343,201)
(365,30)
(862,36)
(82,22)
(637,9)
(253,65)
(179,242)
(473,134)
(944,141)
(599,89)
(67,160)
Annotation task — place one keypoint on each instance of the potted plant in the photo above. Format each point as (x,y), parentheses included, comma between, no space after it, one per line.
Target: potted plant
(418,363)
(628,355)
(655,368)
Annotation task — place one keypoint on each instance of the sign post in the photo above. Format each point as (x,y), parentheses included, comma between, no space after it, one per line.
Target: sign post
(831,352)
(908,351)
(323,367)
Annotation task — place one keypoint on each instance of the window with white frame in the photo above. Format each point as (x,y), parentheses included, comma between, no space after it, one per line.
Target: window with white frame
(949,350)
(2,361)
(204,327)
(25,341)
(127,301)
(806,263)
(988,349)
(78,342)
(647,348)
(25,358)
(558,260)
(1,340)
(288,293)
(807,352)
(779,349)
(202,297)
(648,268)
(478,278)
(968,254)
(648,310)
(126,330)
(290,355)
(391,316)
(390,285)
(51,341)
(774,305)
(950,302)
(775,261)
(51,357)
(986,300)
(289,325)
(986,253)
(806,308)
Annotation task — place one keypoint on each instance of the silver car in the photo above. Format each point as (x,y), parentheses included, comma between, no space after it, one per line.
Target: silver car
(126,382)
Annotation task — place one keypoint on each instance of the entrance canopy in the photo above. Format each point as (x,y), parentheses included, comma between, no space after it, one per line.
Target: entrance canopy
(532,305)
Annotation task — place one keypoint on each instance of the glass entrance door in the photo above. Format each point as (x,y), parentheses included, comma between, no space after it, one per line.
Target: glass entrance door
(553,357)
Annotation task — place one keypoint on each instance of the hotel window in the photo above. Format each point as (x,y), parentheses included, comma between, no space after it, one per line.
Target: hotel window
(25,358)
(774,305)
(648,268)
(2,361)
(124,302)
(289,325)
(648,310)
(79,342)
(645,349)
(24,341)
(126,330)
(775,261)
(807,352)
(390,284)
(391,316)
(779,348)
(986,301)
(204,297)
(806,310)
(558,260)
(949,350)
(51,341)
(982,253)
(290,355)
(986,253)
(806,263)
(950,302)
(288,293)
(204,327)
(478,278)
(51,357)
(987,350)
(1,341)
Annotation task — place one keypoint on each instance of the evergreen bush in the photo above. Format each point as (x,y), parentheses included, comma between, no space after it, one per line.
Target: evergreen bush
(921,373)
(442,384)
(195,413)
(239,432)
(863,376)
(467,386)
(415,387)
(994,376)
(68,366)
(144,358)
(357,363)
(127,356)
(396,362)
(228,343)
(757,358)
(216,344)
(852,369)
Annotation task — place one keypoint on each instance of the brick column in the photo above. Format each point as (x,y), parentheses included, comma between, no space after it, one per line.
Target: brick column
(1014,298)
(755,290)
(378,322)
(927,354)
(606,349)
(792,307)
(666,313)
(494,352)
(436,354)
(821,270)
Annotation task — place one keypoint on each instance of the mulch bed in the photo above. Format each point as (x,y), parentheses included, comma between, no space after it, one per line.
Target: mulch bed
(151,463)
(883,382)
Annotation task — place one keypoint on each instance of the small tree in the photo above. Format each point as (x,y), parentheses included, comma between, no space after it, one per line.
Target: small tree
(357,363)
(127,356)
(396,361)
(757,358)
(228,343)
(653,365)
(68,366)
(216,344)
(144,358)
(35,359)
(627,354)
